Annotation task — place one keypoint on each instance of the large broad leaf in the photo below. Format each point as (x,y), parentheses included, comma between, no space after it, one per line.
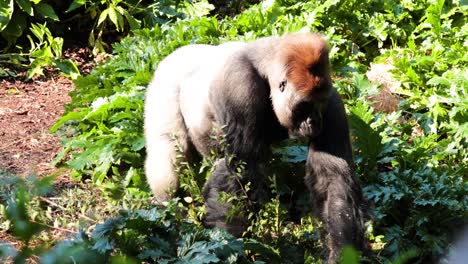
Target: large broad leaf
(46,11)
(6,11)
(76,4)
(68,68)
(366,138)
(26,6)
(15,29)
(68,117)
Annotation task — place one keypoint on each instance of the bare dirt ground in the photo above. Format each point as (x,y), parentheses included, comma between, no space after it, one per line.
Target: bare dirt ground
(28,110)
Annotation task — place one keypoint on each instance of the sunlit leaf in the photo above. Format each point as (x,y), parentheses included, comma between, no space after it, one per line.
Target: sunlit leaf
(103,16)
(6,11)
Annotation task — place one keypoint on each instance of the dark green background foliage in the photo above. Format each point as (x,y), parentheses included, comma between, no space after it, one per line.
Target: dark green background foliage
(411,160)
(73,19)
(39,28)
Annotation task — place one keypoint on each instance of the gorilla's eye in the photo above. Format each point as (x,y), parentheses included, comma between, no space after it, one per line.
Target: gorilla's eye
(282,85)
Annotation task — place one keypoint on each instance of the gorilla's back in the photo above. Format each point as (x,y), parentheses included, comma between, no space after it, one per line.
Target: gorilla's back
(202,65)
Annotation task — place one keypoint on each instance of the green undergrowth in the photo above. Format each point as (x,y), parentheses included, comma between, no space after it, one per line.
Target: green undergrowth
(410,157)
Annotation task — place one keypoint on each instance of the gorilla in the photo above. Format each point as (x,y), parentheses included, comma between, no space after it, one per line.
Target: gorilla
(258,93)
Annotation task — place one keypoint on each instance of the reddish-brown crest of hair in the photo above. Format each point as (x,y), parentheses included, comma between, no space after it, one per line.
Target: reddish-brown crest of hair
(305,57)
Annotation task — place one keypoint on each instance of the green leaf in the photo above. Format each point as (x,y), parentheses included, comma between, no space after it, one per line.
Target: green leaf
(91,39)
(36,67)
(113,17)
(43,53)
(7,73)
(120,21)
(6,11)
(262,249)
(132,22)
(39,31)
(439,81)
(366,138)
(60,156)
(137,143)
(26,6)
(67,68)
(75,4)
(56,45)
(46,11)
(103,16)
(16,28)
(68,117)
(116,17)
(197,9)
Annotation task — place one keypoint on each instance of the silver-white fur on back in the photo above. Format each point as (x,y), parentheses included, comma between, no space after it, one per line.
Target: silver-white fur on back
(177,98)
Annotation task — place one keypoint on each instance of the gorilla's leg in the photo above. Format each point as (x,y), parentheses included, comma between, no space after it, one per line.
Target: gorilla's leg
(224,179)
(159,165)
(221,180)
(164,128)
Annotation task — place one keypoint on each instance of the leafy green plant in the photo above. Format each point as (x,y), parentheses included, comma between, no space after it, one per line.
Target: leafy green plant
(18,215)
(411,160)
(14,15)
(48,52)
(116,12)
(102,21)
(127,15)
(44,49)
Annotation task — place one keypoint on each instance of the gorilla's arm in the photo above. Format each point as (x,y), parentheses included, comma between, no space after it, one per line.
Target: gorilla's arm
(242,106)
(336,194)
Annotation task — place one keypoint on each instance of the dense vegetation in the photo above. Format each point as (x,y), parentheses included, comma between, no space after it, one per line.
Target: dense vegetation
(409,134)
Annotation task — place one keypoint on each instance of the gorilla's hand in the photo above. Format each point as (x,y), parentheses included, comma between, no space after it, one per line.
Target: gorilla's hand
(307,120)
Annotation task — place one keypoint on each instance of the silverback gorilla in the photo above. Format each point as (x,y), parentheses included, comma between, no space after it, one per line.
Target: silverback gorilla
(257,93)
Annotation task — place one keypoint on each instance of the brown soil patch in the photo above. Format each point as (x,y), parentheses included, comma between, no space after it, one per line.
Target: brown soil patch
(27,111)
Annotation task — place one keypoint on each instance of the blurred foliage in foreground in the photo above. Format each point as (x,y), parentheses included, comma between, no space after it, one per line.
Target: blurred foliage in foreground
(410,157)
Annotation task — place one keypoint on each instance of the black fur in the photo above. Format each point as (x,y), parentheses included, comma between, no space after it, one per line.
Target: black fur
(335,193)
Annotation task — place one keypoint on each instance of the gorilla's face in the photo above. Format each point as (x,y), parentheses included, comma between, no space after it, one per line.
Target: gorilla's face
(300,111)
(302,84)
